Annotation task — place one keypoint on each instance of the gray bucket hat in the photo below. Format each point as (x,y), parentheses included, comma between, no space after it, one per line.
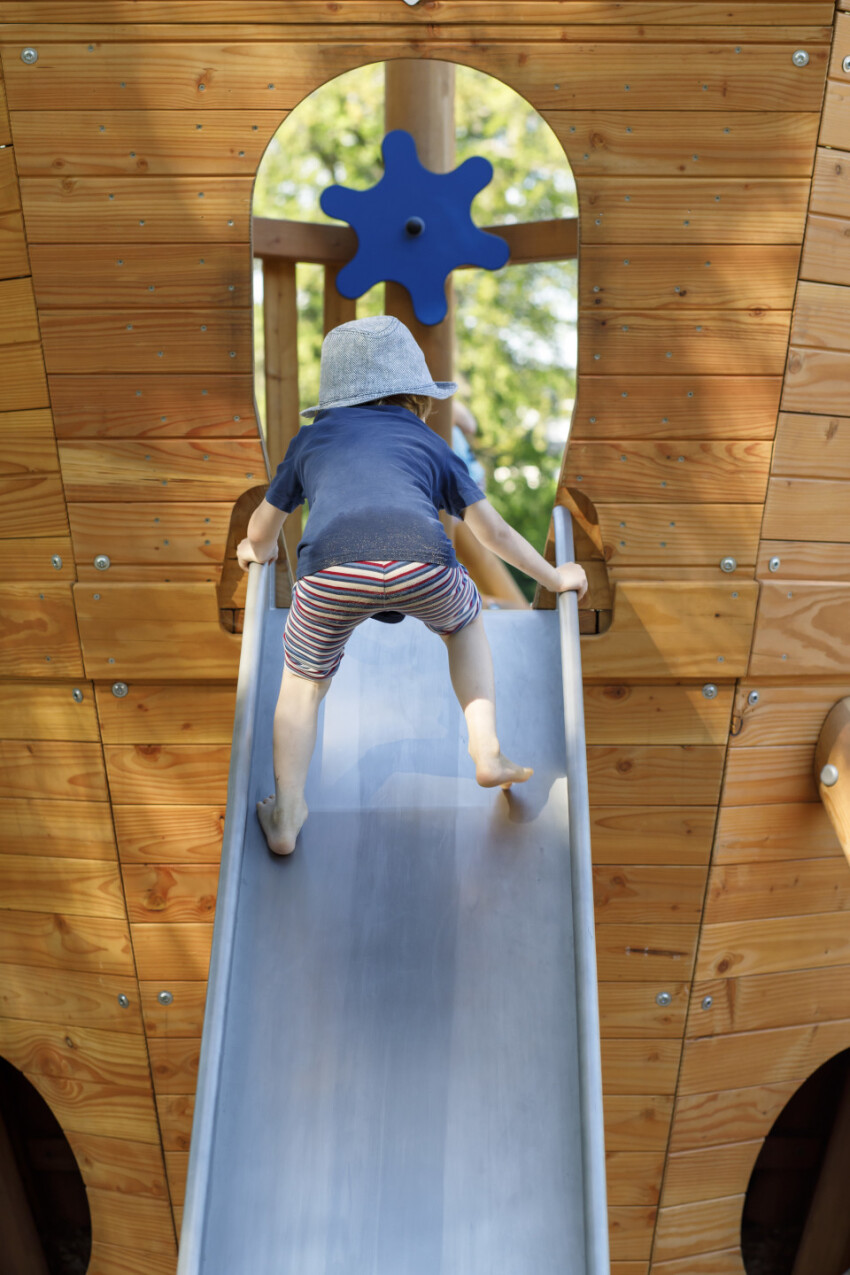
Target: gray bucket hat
(373,358)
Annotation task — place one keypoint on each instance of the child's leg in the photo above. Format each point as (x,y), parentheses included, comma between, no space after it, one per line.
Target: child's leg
(294,734)
(471,667)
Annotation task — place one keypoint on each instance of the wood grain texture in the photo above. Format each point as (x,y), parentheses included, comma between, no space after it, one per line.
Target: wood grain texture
(735,948)
(821,316)
(630,1011)
(654,893)
(120,1165)
(651,834)
(32,505)
(213,340)
(709,1173)
(113,1259)
(44,769)
(830,183)
(812,446)
(23,383)
(638,952)
(172,773)
(157,405)
(835,119)
(673,470)
(686,1230)
(633,340)
(13,247)
(80,887)
(215,469)
(152,276)
(762,1057)
(47,711)
(634,1177)
(783,714)
(88,1054)
(18,319)
(170,892)
(695,407)
(169,833)
(802,629)
(726,1262)
(637,1122)
(804,560)
(762,776)
(728,1116)
(640,1066)
(686,774)
(119,1111)
(665,535)
(771,1000)
(156,533)
(66,997)
(630,1232)
(57,828)
(5,132)
(816,380)
(824,248)
(55,941)
(793,887)
(183,1017)
(173,951)
(623,714)
(174,1064)
(178,714)
(794,510)
(140,1222)
(175,1113)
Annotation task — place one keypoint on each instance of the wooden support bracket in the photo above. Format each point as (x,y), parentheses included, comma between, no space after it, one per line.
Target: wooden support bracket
(832,769)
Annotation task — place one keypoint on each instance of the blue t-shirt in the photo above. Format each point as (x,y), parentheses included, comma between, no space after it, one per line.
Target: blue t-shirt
(375,477)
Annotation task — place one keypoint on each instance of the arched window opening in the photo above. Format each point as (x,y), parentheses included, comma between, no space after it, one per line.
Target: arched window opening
(45,1223)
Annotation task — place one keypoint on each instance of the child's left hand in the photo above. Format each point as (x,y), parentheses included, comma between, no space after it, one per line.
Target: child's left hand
(245,554)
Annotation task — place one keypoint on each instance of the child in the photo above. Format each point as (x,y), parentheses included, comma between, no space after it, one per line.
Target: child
(375,476)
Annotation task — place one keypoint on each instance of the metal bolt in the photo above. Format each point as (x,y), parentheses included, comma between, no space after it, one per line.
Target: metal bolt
(728,564)
(773,565)
(709,691)
(829,775)
(800,57)
(123,1000)
(102,562)
(663,998)
(120,689)
(56,561)
(29,56)
(707,1002)
(753,698)
(845,65)
(165,998)
(77,695)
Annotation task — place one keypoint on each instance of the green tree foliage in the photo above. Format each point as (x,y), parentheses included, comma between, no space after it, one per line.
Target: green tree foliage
(515,327)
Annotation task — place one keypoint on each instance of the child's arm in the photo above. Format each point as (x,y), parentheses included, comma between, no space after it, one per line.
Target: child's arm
(261,542)
(490,528)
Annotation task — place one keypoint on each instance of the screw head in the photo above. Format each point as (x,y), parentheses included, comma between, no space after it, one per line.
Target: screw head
(707,1002)
(123,1000)
(829,775)
(800,57)
(663,998)
(774,564)
(29,56)
(845,65)
(753,698)
(165,998)
(709,691)
(102,562)
(120,689)
(728,564)
(77,695)
(56,561)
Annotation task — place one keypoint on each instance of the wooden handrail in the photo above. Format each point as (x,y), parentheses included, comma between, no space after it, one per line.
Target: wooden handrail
(832,770)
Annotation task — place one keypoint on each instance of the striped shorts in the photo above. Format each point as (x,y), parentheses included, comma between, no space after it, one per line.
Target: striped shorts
(327,607)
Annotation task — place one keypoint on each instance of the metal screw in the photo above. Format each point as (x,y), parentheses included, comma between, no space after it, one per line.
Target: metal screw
(709,691)
(800,57)
(707,1002)
(663,998)
(120,689)
(96,597)
(56,562)
(753,698)
(111,659)
(829,775)
(77,695)
(165,998)
(845,65)
(773,565)
(102,562)
(123,1000)
(29,56)
(728,564)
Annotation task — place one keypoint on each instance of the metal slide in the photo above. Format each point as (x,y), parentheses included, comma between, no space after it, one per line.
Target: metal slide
(399,1072)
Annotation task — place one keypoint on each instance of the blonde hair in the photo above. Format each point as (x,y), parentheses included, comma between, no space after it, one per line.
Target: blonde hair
(420,404)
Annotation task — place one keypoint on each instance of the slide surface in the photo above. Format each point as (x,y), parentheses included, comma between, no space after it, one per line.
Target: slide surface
(389,1079)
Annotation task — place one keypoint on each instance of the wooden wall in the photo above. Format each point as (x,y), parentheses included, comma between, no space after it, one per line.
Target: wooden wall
(701,157)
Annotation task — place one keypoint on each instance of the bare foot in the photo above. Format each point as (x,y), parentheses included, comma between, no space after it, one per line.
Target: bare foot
(281,827)
(498,772)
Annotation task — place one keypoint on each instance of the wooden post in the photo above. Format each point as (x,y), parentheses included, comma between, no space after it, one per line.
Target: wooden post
(338,309)
(833,750)
(420,98)
(280,322)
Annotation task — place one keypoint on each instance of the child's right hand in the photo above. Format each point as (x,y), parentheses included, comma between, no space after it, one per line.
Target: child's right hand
(570,576)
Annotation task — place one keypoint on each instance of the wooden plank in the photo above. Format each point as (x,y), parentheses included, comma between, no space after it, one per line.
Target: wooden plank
(32,505)
(138,1221)
(701,143)
(174,1064)
(22,380)
(184,714)
(763,1057)
(653,893)
(812,446)
(671,470)
(705,1174)
(562,74)
(795,507)
(687,210)
(13,245)
(184,1016)
(5,132)
(173,951)
(160,533)
(623,714)
(112,1259)
(67,996)
(212,341)
(52,940)
(173,773)
(47,710)
(783,714)
(157,143)
(640,1066)
(168,833)
(762,776)
(728,1115)
(18,319)
(630,1232)
(663,535)
(702,407)
(56,828)
(81,887)
(769,946)
(835,119)
(635,774)
(633,1177)
(175,1112)
(816,380)
(21,453)
(630,1011)
(803,560)
(787,830)
(678,276)
(651,834)
(801,628)
(177,1164)
(841,43)
(830,184)
(652,340)
(164,469)
(821,316)
(637,1122)
(154,406)
(120,1111)
(826,237)
(43,769)
(119,1165)
(727,1262)
(76,1053)
(685,1230)
(170,892)
(152,276)
(636,952)
(771,1000)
